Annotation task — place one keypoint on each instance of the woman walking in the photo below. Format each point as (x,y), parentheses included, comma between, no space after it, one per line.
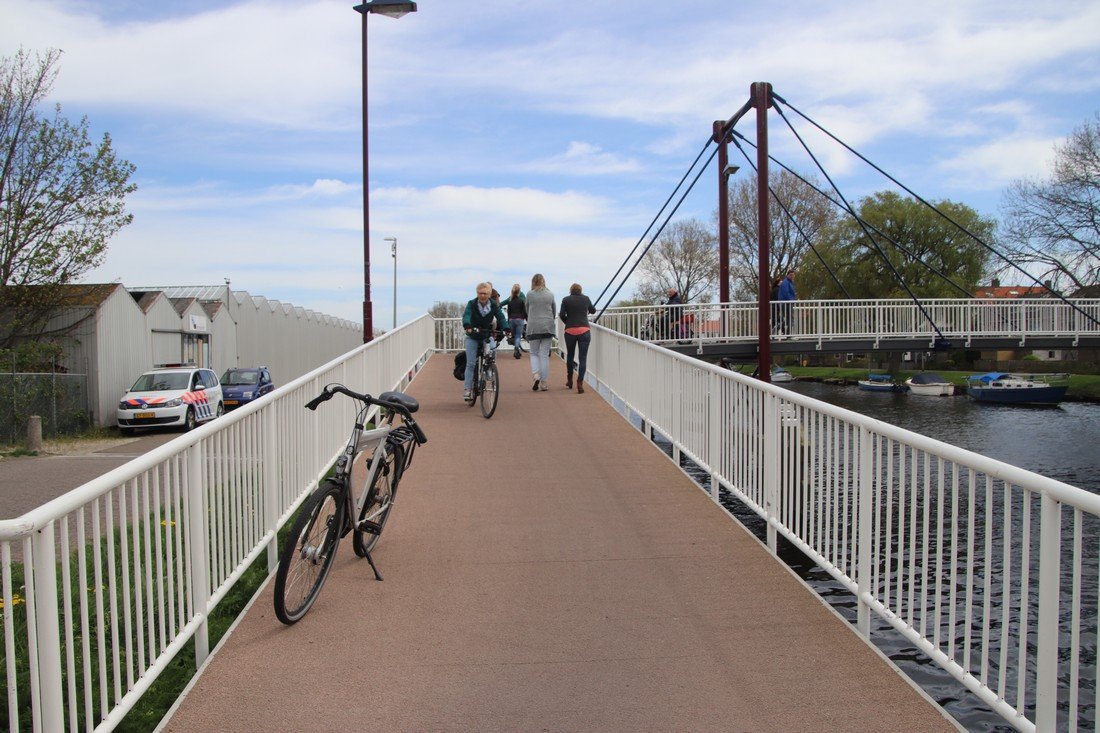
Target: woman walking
(575,308)
(540,331)
(516,305)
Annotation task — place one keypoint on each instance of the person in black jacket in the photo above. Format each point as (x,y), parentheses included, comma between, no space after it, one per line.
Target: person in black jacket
(481,318)
(515,305)
(672,314)
(574,311)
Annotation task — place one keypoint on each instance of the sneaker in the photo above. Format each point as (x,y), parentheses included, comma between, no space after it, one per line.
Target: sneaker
(467,395)
(535,386)
(543,387)
(517,353)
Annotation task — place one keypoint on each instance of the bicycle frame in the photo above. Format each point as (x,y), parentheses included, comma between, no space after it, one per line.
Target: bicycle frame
(358,444)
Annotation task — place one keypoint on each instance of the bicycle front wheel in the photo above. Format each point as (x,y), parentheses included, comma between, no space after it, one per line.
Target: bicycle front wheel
(309,551)
(489,389)
(380,494)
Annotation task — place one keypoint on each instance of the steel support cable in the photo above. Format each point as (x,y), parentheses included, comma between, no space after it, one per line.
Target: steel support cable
(655,218)
(794,221)
(658,233)
(857,217)
(918,197)
(916,300)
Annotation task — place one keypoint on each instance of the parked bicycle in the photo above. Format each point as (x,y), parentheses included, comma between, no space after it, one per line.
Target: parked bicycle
(357,498)
(486,388)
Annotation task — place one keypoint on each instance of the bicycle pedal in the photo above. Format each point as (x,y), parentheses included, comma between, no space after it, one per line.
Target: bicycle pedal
(370,527)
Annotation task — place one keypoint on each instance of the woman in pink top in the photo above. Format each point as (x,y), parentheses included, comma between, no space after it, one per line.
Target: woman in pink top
(574,311)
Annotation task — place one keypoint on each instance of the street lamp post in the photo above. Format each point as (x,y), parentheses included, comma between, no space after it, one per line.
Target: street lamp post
(393,251)
(392,9)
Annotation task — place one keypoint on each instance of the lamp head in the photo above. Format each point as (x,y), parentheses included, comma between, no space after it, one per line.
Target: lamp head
(389,8)
(730,169)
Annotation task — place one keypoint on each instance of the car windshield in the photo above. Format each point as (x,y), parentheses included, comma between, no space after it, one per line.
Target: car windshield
(161,382)
(240,376)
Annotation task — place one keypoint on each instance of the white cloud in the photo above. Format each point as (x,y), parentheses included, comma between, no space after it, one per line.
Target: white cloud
(584,159)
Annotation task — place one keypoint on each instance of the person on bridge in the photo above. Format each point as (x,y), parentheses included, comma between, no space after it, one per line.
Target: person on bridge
(540,331)
(483,315)
(787,297)
(516,303)
(670,316)
(575,308)
(773,298)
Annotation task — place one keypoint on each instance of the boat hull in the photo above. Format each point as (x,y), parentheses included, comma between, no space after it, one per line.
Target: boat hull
(932,390)
(869,386)
(1044,395)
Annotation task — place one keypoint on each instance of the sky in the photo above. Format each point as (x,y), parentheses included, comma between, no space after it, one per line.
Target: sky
(508,137)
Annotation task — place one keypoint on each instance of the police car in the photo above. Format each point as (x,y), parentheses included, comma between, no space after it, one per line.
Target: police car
(177,396)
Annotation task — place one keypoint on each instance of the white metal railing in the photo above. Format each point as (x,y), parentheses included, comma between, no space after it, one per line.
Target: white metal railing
(103,586)
(832,320)
(988,569)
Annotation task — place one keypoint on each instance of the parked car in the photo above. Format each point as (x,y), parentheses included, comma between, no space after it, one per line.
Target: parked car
(177,396)
(241,385)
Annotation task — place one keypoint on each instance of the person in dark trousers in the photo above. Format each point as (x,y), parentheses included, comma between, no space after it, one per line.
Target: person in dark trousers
(773,298)
(671,314)
(574,311)
(482,315)
(787,297)
(515,306)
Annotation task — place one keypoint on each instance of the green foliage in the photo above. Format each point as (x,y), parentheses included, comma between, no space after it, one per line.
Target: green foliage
(926,236)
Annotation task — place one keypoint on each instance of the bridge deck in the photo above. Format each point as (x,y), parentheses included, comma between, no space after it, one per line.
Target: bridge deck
(550,570)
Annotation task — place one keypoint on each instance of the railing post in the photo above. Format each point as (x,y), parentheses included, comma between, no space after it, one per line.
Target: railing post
(272,492)
(51,714)
(199,537)
(1046,657)
(771,466)
(863,538)
(677,405)
(714,431)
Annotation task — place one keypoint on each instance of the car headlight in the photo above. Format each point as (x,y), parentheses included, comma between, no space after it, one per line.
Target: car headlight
(247,395)
(123,406)
(172,403)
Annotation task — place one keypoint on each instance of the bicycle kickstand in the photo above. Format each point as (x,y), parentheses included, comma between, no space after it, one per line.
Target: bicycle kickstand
(377,575)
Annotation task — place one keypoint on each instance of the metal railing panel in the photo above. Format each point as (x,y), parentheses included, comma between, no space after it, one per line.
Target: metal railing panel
(103,586)
(990,570)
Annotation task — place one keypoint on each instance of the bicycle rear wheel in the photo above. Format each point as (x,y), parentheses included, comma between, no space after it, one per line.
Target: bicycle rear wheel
(490,386)
(309,551)
(379,499)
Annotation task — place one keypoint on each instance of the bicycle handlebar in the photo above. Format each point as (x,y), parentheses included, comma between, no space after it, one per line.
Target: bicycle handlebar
(331,390)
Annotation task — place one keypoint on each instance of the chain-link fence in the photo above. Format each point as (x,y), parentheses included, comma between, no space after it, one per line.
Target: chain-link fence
(61,400)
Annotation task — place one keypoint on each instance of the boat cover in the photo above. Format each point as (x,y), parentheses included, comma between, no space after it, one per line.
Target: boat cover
(927,378)
(879,378)
(989,377)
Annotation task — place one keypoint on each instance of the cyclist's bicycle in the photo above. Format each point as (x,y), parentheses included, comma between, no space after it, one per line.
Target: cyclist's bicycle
(486,377)
(357,498)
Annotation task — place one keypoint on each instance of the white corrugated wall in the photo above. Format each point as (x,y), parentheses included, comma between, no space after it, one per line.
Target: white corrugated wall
(122,353)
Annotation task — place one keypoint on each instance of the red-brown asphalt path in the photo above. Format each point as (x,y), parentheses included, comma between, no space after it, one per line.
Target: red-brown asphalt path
(550,570)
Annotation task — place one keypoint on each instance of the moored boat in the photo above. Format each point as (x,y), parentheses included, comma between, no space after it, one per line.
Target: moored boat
(1017,389)
(929,384)
(780,375)
(880,383)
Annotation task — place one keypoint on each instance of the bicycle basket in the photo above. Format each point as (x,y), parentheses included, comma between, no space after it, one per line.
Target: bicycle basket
(460,365)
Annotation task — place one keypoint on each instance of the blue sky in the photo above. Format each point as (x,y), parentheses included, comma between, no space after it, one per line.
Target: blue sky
(509,137)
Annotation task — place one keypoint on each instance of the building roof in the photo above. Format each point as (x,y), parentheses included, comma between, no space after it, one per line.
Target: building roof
(88,295)
(1012,291)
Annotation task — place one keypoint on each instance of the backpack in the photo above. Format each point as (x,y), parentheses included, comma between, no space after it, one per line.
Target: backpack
(460,366)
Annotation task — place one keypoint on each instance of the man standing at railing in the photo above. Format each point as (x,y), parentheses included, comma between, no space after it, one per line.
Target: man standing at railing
(787,297)
(671,315)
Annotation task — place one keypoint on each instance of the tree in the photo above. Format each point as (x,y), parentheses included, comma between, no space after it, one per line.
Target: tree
(61,197)
(789,248)
(926,235)
(684,257)
(1054,225)
(446,309)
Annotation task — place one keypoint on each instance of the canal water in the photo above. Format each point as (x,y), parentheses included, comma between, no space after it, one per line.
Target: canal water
(1058,442)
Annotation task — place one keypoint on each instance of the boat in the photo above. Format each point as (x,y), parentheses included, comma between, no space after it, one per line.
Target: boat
(880,383)
(928,384)
(1017,389)
(780,375)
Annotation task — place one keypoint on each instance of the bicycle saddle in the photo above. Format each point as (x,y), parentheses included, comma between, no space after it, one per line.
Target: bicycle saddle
(409,403)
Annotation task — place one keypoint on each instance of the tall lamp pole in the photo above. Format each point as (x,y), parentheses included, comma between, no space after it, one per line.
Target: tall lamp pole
(393,251)
(392,9)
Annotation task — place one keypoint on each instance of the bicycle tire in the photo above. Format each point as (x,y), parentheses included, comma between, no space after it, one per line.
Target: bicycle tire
(379,499)
(309,552)
(489,390)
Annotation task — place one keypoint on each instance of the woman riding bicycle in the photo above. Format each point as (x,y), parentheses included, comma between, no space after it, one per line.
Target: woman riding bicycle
(478,322)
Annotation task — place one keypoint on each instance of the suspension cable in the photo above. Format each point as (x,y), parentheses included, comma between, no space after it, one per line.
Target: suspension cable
(856,216)
(912,193)
(655,218)
(875,243)
(658,233)
(794,221)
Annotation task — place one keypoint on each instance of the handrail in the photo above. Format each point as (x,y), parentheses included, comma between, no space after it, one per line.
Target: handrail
(977,562)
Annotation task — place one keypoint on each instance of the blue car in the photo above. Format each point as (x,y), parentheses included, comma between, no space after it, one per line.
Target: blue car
(241,385)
